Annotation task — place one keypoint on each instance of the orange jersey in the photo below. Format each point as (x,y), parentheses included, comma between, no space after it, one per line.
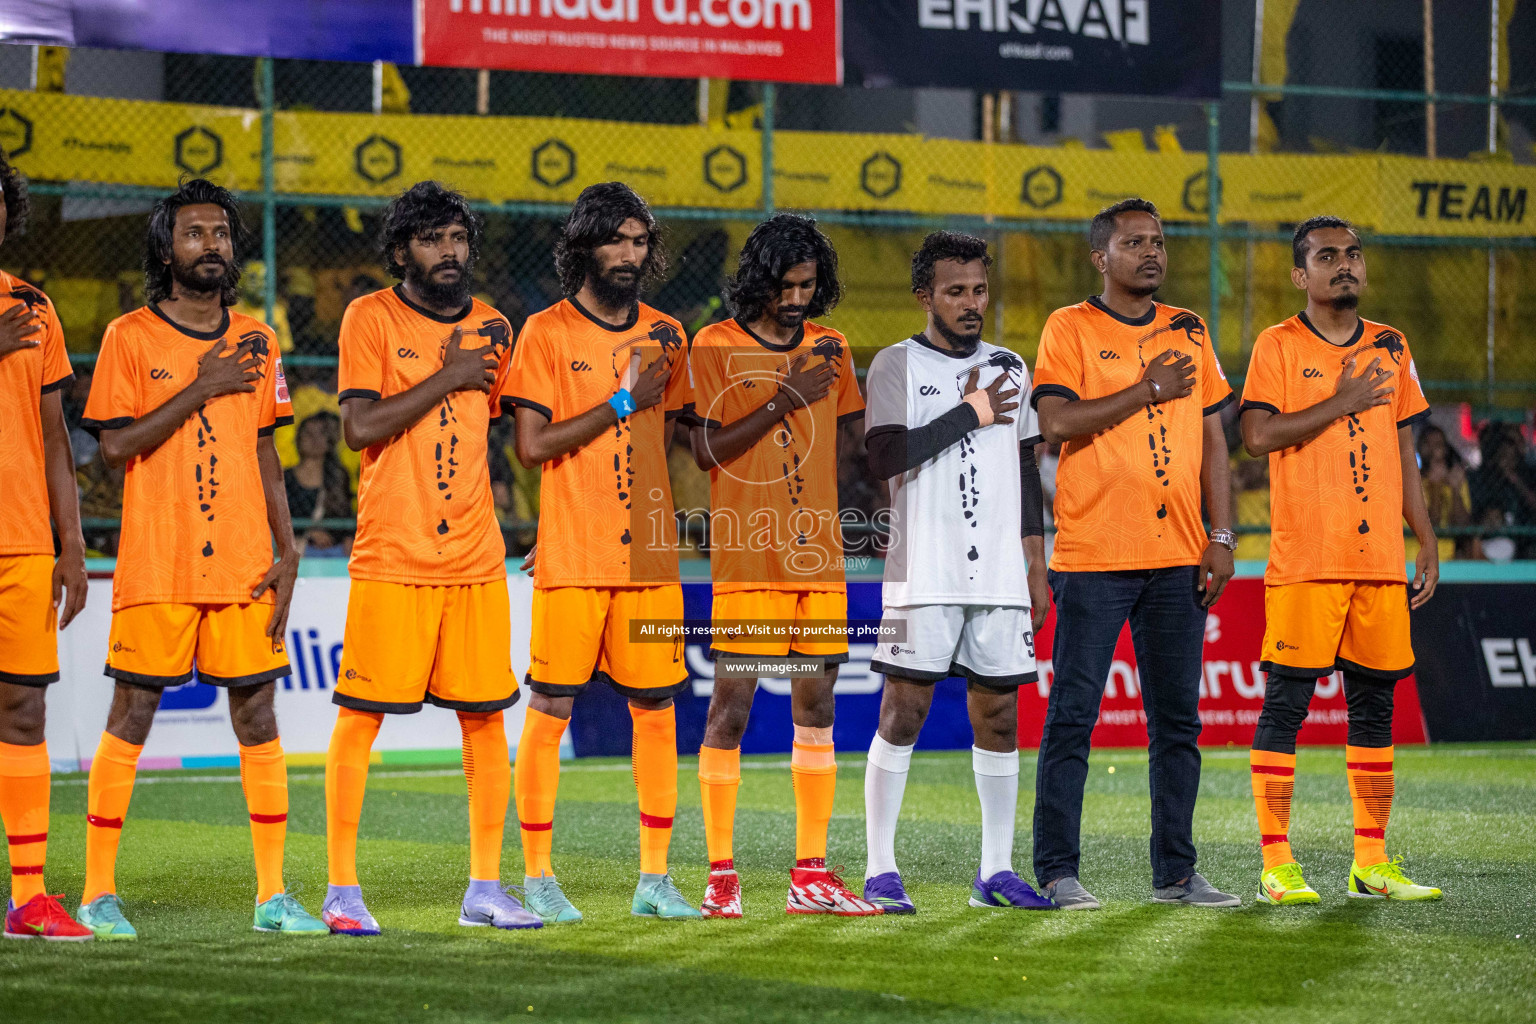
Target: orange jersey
(194,513)
(424,510)
(774,522)
(25,376)
(605,510)
(1336,501)
(1128,497)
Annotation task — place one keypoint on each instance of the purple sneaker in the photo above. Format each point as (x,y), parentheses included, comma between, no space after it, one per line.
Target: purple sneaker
(1006,889)
(886,892)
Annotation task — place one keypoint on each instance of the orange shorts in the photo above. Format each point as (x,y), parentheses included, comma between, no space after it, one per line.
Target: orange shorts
(155,645)
(798,607)
(407,645)
(582,635)
(1312,628)
(29,623)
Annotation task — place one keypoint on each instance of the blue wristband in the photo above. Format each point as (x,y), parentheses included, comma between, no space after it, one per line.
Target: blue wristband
(623,402)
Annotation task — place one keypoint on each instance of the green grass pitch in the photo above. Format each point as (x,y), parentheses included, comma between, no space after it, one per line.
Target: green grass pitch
(1464,817)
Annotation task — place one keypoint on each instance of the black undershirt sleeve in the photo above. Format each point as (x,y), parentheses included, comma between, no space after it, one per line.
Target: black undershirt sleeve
(1031,494)
(894,450)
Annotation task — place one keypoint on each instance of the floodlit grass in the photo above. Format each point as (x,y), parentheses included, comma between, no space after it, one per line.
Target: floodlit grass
(1464,817)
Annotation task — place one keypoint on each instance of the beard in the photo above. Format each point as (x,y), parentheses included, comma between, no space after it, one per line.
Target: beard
(956,339)
(444,295)
(1345,300)
(789,317)
(614,288)
(194,277)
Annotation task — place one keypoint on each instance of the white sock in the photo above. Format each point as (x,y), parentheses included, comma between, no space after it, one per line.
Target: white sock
(885,780)
(997,784)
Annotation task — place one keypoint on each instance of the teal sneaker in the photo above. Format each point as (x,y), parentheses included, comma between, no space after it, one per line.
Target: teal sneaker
(284,913)
(544,897)
(657,896)
(104,916)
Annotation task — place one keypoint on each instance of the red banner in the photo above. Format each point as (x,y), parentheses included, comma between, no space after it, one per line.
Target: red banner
(1231,690)
(763,40)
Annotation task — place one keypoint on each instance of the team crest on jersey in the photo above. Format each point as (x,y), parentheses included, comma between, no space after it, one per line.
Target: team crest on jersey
(1392,342)
(499,332)
(259,347)
(666,335)
(31,297)
(1192,327)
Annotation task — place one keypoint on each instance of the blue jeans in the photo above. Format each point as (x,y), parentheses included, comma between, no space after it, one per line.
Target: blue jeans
(1168,631)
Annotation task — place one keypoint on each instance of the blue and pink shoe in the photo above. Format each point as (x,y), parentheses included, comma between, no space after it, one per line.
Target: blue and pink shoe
(886,892)
(1006,889)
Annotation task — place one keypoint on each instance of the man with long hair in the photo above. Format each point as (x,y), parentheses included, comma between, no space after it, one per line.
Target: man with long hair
(186,395)
(1332,398)
(772,389)
(39,472)
(428,620)
(598,380)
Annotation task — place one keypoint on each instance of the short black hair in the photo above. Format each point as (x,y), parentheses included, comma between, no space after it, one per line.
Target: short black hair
(159,240)
(419,211)
(594,219)
(18,203)
(1103,226)
(773,247)
(1301,244)
(946,245)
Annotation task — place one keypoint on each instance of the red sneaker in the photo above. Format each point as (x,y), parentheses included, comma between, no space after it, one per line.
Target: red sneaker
(42,917)
(821,891)
(722,898)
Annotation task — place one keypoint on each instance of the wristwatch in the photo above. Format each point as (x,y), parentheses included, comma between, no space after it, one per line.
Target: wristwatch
(1226,538)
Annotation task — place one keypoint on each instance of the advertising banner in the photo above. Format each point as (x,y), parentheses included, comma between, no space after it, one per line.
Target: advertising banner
(1142,47)
(358,30)
(1456,197)
(761,40)
(1231,692)
(1476,648)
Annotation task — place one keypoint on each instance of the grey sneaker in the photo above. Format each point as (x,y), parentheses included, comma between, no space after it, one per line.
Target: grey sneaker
(1197,892)
(1069,894)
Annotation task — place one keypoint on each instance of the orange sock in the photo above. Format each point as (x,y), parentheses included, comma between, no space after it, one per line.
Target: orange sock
(1274,781)
(537,778)
(1370,791)
(346,779)
(264,777)
(719,778)
(813,769)
(488,771)
(653,756)
(24,786)
(106,804)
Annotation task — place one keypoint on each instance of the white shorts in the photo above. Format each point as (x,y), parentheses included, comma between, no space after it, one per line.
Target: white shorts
(987,646)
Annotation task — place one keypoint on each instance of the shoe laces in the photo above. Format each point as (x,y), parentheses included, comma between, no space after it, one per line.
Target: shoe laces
(726,884)
(1289,876)
(548,894)
(835,878)
(53,910)
(111,907)
(1391,869)
(666,888)
(513,893)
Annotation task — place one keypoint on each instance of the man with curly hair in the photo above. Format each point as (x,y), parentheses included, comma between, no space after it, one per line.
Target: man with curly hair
(599,380)
(38,468)
(423,366)
(772,390)
(186,395)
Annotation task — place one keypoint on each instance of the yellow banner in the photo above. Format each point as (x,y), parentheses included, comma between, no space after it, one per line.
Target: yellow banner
(52,136)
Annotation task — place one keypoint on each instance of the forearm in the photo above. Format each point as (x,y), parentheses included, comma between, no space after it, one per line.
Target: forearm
(59,468)
(719,445)
(897,450)
(153,429)
(1265,431)
(1414,509)
(276,494)
(539,440)
(1062,419)
(1034,553)
(366,421)
(1216,474)
(1031,499)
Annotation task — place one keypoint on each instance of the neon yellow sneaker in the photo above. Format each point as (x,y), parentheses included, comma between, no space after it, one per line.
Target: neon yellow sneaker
(1386,881)
(1283,886)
